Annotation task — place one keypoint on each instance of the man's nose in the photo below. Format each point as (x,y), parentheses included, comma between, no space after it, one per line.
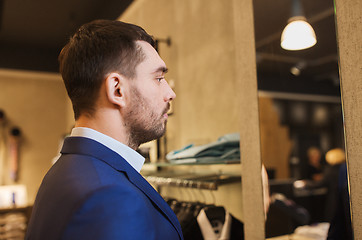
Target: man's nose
(170,94)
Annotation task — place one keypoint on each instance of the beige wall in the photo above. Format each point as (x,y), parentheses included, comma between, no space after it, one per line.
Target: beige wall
(201,61)
(213,73)
(36,103)
(276,144)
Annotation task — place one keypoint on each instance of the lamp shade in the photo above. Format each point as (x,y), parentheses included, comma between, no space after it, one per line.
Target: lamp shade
(298,35)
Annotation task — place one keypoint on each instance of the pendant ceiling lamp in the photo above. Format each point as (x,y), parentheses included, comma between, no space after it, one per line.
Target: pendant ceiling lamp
(298,34)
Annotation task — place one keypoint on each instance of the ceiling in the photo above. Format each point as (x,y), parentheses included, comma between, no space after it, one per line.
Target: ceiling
(319,74)
(32,32)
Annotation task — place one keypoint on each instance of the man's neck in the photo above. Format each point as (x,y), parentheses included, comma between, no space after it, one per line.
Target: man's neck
(108,127)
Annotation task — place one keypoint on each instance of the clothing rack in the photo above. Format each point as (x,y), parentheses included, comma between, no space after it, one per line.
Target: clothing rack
(209,182)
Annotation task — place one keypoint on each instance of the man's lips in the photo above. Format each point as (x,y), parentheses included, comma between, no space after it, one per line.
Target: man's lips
(166,110)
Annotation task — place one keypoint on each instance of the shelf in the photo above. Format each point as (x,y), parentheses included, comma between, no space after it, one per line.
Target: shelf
(192,180)
(193,162)
(15,209)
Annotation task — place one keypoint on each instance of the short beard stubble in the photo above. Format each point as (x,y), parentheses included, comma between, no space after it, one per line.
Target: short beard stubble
(143,123)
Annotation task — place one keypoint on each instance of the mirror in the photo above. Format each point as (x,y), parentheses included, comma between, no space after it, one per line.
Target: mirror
(300,114)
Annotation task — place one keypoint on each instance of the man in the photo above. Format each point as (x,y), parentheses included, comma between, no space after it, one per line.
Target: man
(314,166)
(116,82)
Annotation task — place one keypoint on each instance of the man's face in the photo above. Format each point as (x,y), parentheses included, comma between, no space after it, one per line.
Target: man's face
(150,97)
(314,157)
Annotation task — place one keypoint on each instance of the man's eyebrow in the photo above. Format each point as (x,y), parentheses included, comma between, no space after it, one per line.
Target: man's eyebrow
(161,69)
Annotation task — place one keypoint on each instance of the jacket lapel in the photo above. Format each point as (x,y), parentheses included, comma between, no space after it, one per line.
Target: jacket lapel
(86,146)
(152,194)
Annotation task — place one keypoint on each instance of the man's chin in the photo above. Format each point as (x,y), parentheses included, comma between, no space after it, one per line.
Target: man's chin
(155,135)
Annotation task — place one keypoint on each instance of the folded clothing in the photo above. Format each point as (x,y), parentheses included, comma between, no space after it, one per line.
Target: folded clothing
(226,148)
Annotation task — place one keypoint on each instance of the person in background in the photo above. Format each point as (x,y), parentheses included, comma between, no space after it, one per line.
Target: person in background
(314,167)
(341,226)
(335,158)
(116,82)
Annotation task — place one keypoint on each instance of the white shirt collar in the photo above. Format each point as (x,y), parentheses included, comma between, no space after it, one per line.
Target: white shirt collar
(131,156)
(207,230)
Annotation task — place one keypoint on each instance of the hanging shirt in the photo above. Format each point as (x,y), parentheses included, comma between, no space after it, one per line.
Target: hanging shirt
(220,231)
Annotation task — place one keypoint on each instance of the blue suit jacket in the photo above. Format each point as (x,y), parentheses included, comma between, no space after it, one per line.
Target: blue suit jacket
(93,193)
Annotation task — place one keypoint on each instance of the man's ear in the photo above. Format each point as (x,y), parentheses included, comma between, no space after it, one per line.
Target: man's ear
(115,89)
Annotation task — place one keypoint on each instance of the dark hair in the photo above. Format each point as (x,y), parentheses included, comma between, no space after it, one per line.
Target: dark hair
(96,49)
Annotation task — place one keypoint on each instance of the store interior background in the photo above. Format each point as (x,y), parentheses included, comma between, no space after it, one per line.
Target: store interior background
(295,111)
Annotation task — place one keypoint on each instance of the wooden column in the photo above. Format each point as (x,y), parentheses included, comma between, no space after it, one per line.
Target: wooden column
(349,38)
(253,210)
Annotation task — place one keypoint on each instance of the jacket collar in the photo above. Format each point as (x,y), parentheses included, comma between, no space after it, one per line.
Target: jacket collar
(134,159)
(86,146)
(90,147)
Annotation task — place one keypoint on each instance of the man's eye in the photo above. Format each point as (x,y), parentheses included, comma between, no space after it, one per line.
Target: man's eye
(160,79)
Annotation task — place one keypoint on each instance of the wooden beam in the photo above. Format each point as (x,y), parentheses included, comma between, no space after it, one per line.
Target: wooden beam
(252,191)
(349,38)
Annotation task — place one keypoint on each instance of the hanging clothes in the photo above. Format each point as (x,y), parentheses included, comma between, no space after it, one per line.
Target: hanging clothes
(206,222)
(215,229)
